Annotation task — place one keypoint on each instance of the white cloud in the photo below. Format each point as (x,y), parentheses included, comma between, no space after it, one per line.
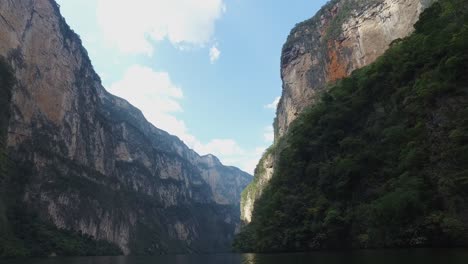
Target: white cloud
(132,25)
(273,105)
(224,147)
(214,54)
(153,93)
(156,96)
(159,98)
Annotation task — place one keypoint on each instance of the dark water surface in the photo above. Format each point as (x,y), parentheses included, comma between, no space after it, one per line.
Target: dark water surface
(413,256)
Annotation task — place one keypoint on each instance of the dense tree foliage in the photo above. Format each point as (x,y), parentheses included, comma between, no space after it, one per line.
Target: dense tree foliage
(382,160)
(31,236)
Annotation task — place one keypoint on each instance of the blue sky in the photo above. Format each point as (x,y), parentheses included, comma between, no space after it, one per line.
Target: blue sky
(207,71)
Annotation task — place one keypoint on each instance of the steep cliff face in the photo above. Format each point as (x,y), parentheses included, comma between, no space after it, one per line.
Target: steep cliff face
(343,36)
(93,163)
(255,188)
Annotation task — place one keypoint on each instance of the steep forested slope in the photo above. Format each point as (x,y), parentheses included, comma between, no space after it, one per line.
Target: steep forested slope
(382,159)
(344,35)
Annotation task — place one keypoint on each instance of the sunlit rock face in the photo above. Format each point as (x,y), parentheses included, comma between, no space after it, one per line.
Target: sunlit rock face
(92,162)
(343,36)
(263,173)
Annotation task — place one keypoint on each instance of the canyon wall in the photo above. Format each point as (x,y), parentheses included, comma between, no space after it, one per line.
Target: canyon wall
(91,163)
(343,36)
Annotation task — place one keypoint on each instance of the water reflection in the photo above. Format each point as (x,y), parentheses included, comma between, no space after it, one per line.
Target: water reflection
(248,259)
(418,256)
(404,256)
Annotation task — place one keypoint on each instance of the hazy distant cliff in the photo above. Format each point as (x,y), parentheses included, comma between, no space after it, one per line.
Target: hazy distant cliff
(90,162)
(343,36)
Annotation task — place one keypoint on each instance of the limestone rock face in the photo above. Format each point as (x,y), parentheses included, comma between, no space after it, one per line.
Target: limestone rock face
(343,36)
(264,172)
(93,162)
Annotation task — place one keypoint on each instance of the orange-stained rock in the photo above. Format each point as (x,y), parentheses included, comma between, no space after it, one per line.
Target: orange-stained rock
(336,69)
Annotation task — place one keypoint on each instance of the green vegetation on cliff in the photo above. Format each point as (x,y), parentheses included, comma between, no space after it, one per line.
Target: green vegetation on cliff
(382,160)
(251,191)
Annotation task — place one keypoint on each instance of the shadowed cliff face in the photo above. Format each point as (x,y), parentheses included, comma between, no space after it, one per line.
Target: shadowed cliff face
(343,36)
(94,163)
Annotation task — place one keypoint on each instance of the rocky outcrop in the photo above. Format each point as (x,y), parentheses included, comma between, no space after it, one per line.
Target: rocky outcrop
(343,36)
(264,172)
(93,162)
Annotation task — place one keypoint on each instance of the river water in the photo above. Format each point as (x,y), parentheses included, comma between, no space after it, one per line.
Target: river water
(404,256)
